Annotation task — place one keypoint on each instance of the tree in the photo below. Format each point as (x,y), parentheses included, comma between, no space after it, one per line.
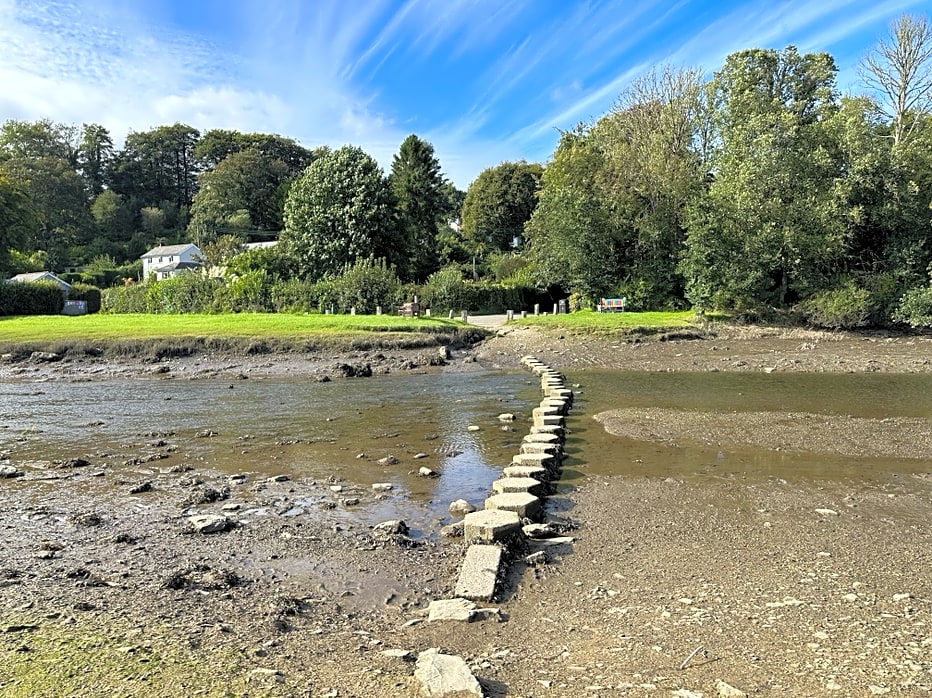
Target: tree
(95,156)
(498,204)
(572,233)
(17,220)
(421,202)
(899,70)
(113,216)
(768,232)
(338,211)
(30,140)
(244,193)
(218,144)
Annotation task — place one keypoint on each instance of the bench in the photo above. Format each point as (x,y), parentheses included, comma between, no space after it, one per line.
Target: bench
(410,309)
(613,305)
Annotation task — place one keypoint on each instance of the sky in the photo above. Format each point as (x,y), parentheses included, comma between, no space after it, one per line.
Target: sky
(484,81)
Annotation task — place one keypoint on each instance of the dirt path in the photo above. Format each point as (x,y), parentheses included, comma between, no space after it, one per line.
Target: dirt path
(673,587)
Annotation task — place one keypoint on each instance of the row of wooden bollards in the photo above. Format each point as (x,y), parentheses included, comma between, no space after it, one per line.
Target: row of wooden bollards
(515,511)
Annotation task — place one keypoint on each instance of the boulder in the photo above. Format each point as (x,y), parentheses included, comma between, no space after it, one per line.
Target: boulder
(393,527)
(209,523)
(382,487)
(461,507)
(445,675)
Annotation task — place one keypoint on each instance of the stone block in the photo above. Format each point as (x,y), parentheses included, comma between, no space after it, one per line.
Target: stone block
(479,573)
(492,526)
(539,460)
(520,484)
(553,420)
(541,439)
(556,450)
(523,471)
(525,505)
(549,429)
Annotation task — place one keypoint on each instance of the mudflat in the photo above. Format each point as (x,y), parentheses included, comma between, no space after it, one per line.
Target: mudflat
(698,584)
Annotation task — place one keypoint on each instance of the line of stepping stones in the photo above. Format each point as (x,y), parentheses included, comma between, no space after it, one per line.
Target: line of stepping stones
(516,509)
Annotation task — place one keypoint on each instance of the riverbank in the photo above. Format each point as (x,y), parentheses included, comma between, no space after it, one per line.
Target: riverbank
(674,585)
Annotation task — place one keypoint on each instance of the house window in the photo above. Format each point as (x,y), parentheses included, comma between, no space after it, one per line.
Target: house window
(171,259)
(160,260)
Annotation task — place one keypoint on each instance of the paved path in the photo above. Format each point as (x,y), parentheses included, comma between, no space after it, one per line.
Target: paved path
(490,321)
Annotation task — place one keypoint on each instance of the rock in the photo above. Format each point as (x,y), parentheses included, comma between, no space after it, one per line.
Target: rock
(44,357)
(403,655)
(350,501)
(205,434)
(902,597)
(538,530)
(279,478)
(357,371)
(480,573)
(141,487)
(266,675)
(473,427)
(460,610)
(392,527)
(418,456)
(492,525)
(209,523)
(427,472)
(525,505)
(827,512)
(336,488)
(8,471)
(388,460)
(382,487)
(461,507)
(727,691)
(454,530)
(535,559)
(443,675)
(506,417)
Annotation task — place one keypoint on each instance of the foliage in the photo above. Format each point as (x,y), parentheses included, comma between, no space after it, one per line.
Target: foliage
(497,205)
(847,307)
(420,203)
(87,293)
(337,212)
(17,220)
(915,307)
(366,285)
(33,298)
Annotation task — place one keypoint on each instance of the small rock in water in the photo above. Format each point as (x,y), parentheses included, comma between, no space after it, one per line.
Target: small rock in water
(461,507)
(473,427)
(8,471)
(393,527)
(382,486)
(388,460)
(506,417)
(427,472)
(418,456)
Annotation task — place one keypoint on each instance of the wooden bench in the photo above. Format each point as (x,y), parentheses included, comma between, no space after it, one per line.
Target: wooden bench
(410,309)
(613,305)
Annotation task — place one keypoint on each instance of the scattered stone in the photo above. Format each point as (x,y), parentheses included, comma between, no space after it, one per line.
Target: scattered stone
(279,478)
(71,463)
(266,675)
(728,691)
(238,479)
(540,530)
(473,427)
(480,573)
(393,527)
(403,655)
(205,434)
(453,530)
(336,488)
(506,417)
(427,472)
(461,507)
(141,487)
(461,610)
(827,512)
(418,456)
(902,597)
(209,523)
(535,559)
(40,357)
(382,487)
(350,501)
(8,471)
(388,460)
(445,675)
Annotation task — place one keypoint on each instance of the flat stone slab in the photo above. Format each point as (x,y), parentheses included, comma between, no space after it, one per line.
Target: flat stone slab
(549,429)
(544,420)
(461,610)
(556,450)
(564,393)
(480,573)
(492,526)
(523,471)
(525,505)
(520,484)
(559,403)
(539,460)
(444,675)
(550,438)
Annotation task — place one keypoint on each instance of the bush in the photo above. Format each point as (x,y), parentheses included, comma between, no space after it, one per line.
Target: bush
(366,285)
(915,307)
(87,293)
(34,298)
(846,307)
(124,299)
(248,293)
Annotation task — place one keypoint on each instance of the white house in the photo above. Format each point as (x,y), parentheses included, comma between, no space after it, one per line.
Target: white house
(34,276)
(166,261)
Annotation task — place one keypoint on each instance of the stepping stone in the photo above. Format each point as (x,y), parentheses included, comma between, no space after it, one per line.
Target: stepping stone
(556,450)
(525,505)
(541,439)
(492,526)
(539,460)
(520,484)
(549,429)
(479,573)
(546,412)
(461,610)
(523,471)
(564,393)
(544,420)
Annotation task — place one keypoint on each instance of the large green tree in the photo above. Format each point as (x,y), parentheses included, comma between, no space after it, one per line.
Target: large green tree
(421,204)
(498,203)
(18,220)
(768,232)
(338,211)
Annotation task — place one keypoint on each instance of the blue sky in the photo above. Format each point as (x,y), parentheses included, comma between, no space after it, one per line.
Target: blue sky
(483,80)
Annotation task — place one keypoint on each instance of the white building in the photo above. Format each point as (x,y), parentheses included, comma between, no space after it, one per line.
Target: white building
(34,276)
(165,261)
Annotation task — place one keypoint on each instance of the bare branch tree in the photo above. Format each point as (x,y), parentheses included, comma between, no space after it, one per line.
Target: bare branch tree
(900,69)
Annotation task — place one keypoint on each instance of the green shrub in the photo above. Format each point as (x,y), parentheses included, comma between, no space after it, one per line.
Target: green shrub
(87,293)
(33,298)
(847,307)
(915,307)
(124,299)
(366,285)
(247,293)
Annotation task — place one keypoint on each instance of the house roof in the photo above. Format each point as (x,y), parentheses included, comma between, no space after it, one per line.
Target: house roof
(33,276)
(177,266)
(169,250)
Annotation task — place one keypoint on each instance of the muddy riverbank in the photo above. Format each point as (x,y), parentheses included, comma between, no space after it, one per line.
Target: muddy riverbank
(678,583)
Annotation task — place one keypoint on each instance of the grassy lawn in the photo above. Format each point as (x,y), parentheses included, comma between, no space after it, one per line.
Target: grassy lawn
(46,328)
(591,321)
